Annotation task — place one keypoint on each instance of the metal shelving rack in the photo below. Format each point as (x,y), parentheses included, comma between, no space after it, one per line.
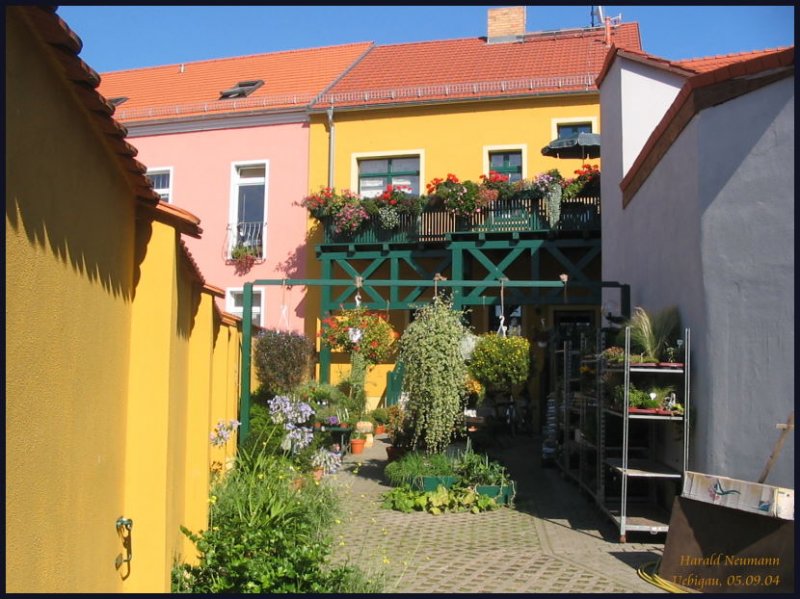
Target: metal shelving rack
(579,422)
(630,515)
(567,415)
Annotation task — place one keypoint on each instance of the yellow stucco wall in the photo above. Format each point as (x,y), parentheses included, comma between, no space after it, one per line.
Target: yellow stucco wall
(115,356)
(153,332)
(69,286)
(198,411)
(451,138)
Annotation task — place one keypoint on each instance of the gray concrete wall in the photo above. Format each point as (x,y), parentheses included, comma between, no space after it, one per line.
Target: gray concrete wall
(712,230)
(746,198)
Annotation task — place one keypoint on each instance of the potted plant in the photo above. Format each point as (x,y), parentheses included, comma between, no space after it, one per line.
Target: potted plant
(243,257)
(381,417)
(425,472)
(487,477)
(326,461)
(357,441)
(652,334)
(430,350)
(462,199)
(501,364)
(498,184)
(673,355)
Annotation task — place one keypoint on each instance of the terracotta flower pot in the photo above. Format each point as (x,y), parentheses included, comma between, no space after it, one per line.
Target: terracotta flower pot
(357,446)
(380,429)
(318,472)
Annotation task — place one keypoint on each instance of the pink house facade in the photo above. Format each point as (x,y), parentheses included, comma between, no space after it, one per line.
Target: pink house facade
(244,185)
(228,140)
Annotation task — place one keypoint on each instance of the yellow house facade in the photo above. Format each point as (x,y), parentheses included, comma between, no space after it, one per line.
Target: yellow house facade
(465,107)
(456,138)
(118,365)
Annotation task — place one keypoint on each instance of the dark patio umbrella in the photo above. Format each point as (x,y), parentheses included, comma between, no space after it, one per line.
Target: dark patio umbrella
(581,145)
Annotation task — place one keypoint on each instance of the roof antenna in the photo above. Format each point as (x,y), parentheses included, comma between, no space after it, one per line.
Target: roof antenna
(597,11)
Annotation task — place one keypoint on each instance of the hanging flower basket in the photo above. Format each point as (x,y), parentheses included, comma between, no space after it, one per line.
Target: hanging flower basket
(358,330)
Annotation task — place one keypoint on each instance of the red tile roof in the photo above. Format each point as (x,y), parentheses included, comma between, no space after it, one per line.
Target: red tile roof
(739,74)
(52,30)
(471,68)
(292,79)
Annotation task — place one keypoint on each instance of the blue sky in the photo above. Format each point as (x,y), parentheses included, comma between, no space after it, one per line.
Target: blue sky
(124,37)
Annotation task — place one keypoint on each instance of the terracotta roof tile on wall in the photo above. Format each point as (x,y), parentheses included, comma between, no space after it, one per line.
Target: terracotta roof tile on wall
(555,62)
(710,63)
(685,67)
(718,79)
(52,30)
(292,79)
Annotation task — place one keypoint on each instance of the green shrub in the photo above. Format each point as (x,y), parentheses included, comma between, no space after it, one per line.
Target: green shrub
(501,364)
(282,360)
(430,349)
(266,537)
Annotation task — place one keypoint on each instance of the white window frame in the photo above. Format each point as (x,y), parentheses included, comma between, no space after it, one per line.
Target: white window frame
(258,306)
(356,156)
(233,211)
(160,170)
(554,123)
(522,148)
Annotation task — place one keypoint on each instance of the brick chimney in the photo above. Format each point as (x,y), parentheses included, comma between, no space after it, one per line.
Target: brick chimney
(506,25)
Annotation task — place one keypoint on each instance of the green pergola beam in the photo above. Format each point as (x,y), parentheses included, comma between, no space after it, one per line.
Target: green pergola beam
(247,313)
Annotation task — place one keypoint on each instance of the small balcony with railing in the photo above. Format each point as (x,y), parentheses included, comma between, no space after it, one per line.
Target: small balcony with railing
(577,215)
(246,239)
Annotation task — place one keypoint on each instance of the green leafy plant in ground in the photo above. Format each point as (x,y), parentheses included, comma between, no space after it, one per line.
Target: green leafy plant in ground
(478,469)
(266,537)
(434,376)
(440,501)
(417,464)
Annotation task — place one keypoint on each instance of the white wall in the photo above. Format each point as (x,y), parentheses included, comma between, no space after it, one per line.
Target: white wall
(711,230)
(633,99)
(647,93)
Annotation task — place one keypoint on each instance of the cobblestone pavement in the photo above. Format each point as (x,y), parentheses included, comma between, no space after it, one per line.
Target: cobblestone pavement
(554,539)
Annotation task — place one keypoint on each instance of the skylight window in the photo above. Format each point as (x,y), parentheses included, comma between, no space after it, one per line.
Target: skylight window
(117,101)
(241,89)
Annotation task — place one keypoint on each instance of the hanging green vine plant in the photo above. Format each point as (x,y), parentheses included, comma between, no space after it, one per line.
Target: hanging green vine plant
(554,204)
(430,349)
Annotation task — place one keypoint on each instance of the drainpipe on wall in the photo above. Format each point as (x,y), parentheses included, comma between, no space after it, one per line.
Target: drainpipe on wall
(331,145)
(325,351)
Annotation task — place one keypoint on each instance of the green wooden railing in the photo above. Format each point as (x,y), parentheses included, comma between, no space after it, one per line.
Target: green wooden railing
(510,216)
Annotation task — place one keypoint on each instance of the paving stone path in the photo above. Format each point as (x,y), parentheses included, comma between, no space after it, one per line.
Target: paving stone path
(554,539)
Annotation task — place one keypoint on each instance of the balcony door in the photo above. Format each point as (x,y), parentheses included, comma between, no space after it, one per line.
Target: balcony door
(248,222)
